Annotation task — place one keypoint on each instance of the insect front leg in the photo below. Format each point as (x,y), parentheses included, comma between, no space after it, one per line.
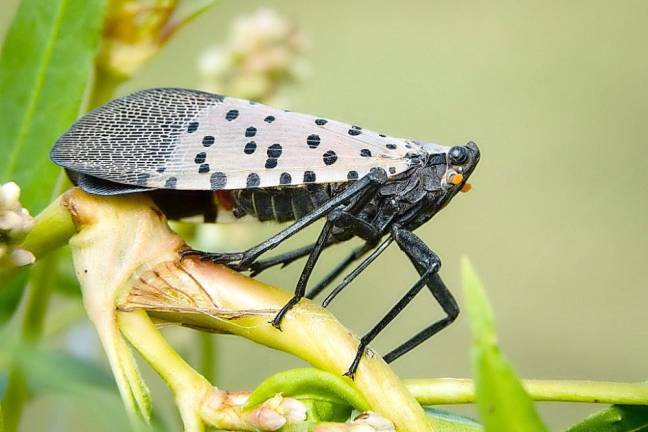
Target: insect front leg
(427,264)
(283,259)
(243,260)
(314,255)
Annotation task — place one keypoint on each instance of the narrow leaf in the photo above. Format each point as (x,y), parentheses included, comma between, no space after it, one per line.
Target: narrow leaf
(617,418)
(45,65)
(446,421)
(308,382)
(503,403)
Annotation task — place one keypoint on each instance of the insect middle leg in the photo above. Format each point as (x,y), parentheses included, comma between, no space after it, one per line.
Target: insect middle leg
(289,257)
(427,264)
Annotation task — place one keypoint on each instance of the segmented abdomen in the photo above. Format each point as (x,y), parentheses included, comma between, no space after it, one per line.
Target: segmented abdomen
(280,204)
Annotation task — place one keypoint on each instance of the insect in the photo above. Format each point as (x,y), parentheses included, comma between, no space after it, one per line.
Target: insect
(198,153)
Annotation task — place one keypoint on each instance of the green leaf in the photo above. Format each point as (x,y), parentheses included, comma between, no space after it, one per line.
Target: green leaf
(503,403)
(45,66)
(328,397)
(617,418)
(446,421)
(11,289)
(49,372)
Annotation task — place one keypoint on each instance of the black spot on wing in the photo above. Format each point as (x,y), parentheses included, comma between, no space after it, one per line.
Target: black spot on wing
(285,179)
(274,151)
(309,177)
(231,115)
(271,163)
(142,179)
(200,157)
(365,153)
(171,183)
(204,168)
(329,157)
(250,148)
(355,131)
(352,175)
(208,140)
(320,122)
(269,119)
(250,132)
(218,180)
(253,180)
(313,141)
(192,127)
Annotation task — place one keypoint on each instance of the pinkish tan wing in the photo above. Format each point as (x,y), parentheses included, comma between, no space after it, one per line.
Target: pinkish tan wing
(190,140)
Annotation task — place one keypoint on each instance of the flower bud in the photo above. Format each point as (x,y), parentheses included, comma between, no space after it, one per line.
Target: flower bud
(15,223)
(374,421)
(263,51)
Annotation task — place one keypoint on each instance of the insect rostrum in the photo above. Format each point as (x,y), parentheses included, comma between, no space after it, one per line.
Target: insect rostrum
(202,154)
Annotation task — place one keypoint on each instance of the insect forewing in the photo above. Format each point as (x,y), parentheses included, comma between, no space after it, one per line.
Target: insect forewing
(191,140)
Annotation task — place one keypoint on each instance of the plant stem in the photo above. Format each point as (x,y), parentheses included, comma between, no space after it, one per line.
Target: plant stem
(207,359)
(35,303)
(104,89)
(462,391)
(53,229)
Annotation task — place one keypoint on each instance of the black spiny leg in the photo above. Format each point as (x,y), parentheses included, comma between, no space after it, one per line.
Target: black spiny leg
(341,215)
(314,255)
(359,269)
(422,257)
(389,317)
(357,253)
(427,264)
(242,260)
(283,259)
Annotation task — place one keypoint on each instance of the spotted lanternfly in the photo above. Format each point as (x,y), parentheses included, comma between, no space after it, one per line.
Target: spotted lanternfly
(197,153)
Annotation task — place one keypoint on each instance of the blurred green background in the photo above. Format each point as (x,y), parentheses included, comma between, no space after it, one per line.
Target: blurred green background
(556,95)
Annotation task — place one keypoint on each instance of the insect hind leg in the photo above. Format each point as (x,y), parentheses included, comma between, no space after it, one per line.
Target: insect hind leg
(422,258)
(427,264)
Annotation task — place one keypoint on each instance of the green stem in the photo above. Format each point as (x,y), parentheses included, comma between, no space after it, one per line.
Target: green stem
(53,229)
(207,359)
(104,89)
(462,391)
(35,303)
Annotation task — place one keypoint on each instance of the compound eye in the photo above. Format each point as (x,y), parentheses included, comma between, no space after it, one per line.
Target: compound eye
(458,155)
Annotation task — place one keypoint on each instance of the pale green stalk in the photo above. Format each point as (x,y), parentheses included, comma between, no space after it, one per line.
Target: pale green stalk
(442,391)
